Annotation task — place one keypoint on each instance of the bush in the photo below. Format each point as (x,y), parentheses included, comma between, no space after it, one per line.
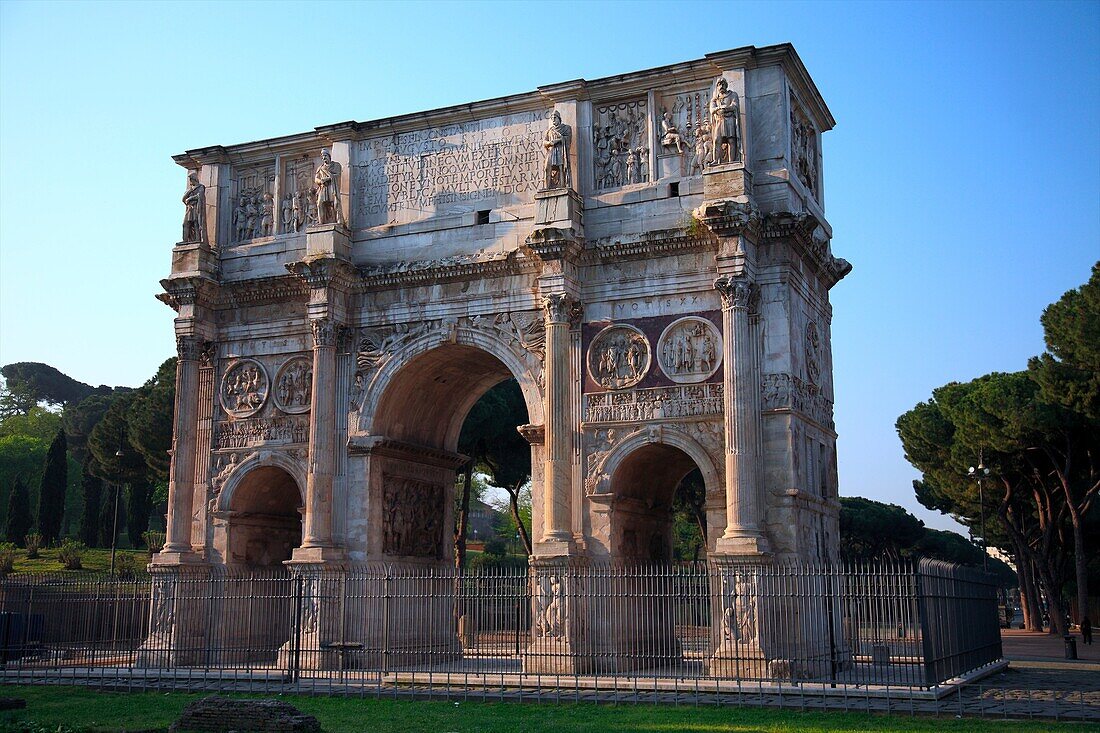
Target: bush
(7,556)
(126,566)
(154,541)
(33,543)
(71,553)
(496,547)
(496,562)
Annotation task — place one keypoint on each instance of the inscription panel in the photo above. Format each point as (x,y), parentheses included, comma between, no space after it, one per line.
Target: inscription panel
(447,170)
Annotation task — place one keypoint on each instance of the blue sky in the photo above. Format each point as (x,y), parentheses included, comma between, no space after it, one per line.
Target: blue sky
(962,180)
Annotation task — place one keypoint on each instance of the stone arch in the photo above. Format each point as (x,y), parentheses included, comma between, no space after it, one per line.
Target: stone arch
(675,437)
(276,459)
(495,353)
(258,520)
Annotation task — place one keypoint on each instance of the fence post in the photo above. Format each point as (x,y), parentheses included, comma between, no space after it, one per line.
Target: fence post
(296,635)
(925,630)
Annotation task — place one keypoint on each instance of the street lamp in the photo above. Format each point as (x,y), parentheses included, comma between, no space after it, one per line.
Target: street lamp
(979,473)
(114,525)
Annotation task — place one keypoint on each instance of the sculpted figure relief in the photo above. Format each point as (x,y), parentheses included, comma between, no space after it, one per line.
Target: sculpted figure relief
(619,138)
(550,614)
(194,213)
(725,123)
(294,385)
(412,521)
(244,388)
(619,357)
(556,161)
(327,182)
(670,135)
(689,350)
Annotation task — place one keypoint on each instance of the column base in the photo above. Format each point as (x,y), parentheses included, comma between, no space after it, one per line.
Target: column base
(317,556)
(748,545)
(167,558)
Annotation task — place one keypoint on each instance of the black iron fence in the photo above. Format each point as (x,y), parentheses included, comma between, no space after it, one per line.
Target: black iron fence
(570,626)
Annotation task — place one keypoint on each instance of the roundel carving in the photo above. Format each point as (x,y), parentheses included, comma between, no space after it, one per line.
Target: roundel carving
(294,385)
(619,357)
(244,388)
(689,350)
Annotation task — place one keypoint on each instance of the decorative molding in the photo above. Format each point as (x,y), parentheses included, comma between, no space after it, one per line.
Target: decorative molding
(808,238)
(382,446)
(729,218)
(559,307)
(655,403)
(482,265)
(325,332)
(325,272)
(190,348)
(254,432)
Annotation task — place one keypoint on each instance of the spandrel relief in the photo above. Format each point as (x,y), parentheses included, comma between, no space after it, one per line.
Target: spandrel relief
(294,385)
(620,142)
(684,134)
(804,148)
(253,203)
(619,357)
(690,350)
(244,388)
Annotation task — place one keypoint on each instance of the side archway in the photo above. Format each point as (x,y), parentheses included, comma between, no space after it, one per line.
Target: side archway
(258,521)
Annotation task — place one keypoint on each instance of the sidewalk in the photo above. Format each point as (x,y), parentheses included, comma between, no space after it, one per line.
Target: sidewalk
(1030,649)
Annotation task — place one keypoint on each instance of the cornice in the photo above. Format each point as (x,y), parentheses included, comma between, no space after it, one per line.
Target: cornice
(659,243)
(808,238)
(324,272)
(259,291)
(730,218)
(191,290)
(452,269)
(548,244)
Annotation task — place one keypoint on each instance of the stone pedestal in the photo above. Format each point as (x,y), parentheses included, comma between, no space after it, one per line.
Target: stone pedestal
(727,182)
(332,240)
(559,632)
(177,631)
(561,208)
(736,631)
(194,259)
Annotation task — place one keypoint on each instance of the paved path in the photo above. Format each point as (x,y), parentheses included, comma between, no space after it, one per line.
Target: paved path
(1019,645)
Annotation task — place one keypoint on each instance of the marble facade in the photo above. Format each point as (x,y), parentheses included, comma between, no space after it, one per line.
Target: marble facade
(647,255)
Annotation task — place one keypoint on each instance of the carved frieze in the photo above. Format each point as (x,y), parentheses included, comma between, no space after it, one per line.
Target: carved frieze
(804,148)
(298,208)
(261,431)
(687,400)
(620,143)
(550,606)
(244,388)
(254,203)
(690,350)
(294,385)
(684,133)
(412,517)
(423,173)
(784,392)
(813,353)
(619,357)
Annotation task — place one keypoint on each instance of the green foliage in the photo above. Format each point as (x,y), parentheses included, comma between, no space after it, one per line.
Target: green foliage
(689,518)
(485,561)
(33,543)
(36,382)
(126,566)
(38,422)
(1069,372)
(149,420)
(19,521)
(23,457)
(139,496)
(71,553)
(91,487)
(80,418)
(154,541)
(871,530)
(51,492)
(7,556)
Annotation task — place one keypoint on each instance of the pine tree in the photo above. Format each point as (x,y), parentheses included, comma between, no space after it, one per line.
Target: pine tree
(92,488)
(51,495)
(19,513)
(138,505)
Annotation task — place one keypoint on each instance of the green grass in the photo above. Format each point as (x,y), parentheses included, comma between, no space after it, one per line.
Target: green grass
(82,709)
(95,560)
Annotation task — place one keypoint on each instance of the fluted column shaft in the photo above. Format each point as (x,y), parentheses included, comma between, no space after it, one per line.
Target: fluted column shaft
(559,420)
(744,504)
(181,473)
(317,523)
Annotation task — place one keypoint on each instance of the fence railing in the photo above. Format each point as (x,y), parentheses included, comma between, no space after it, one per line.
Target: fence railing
(891,625)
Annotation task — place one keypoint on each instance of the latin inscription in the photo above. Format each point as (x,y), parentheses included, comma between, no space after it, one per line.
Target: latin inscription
(414,175)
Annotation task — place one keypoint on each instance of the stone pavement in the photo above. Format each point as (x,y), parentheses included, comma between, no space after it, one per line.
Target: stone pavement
(1032,646)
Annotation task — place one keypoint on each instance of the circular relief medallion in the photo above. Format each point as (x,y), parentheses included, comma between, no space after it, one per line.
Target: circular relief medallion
(244,388)
(618,357)
(294,385)
(690,350)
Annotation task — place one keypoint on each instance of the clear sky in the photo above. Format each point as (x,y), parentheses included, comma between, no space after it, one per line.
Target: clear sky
(962,180)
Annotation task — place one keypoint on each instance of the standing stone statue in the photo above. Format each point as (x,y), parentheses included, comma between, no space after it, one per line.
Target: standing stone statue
(194,214)
(327,181)
(556,164)
(725,124)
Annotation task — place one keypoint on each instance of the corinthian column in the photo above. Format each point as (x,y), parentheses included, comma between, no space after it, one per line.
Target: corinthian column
(181,474)
(559,421)
(744,533)
(317,523)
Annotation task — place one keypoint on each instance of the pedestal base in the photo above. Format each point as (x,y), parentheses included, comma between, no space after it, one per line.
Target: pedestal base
(727,182)
(743,548)
(333,240)
(328,558)
(561,208)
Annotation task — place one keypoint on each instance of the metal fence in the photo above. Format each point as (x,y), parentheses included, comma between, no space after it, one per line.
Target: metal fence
(554,626)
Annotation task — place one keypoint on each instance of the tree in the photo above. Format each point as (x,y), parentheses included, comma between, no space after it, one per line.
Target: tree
(150,417)
(871,530)
(20,457)
(689,517)
(92,489)
(51,492)
(19,520)
(81,417)
(139,495)
(490,438)
(29,383)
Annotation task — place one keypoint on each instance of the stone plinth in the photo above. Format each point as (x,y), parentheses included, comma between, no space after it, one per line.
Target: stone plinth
(561,208)
(332,240)
(729,182)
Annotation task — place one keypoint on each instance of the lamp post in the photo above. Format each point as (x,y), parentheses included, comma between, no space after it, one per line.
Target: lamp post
(114,525)
(979,473)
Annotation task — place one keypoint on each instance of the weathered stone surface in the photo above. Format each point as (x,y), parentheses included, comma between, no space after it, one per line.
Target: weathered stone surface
(216,714)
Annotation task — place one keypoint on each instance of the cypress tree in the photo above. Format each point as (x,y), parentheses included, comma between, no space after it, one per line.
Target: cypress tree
(19,513)
(139,502)
(107,515)
(51,495)
(92,488)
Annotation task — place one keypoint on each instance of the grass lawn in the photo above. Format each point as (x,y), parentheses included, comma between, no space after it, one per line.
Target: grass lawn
(95,560)
(81,709)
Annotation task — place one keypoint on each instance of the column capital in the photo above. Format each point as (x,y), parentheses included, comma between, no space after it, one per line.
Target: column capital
(562,308)
(191,348)
(736,291)
(326,332)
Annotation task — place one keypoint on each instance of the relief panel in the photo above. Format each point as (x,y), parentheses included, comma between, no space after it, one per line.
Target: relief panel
(253,203)
(620,141)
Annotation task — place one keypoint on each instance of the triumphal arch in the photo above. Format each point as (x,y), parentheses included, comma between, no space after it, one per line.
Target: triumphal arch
(646,254)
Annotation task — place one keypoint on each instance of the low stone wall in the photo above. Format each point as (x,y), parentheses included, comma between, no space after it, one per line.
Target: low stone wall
(216,714)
